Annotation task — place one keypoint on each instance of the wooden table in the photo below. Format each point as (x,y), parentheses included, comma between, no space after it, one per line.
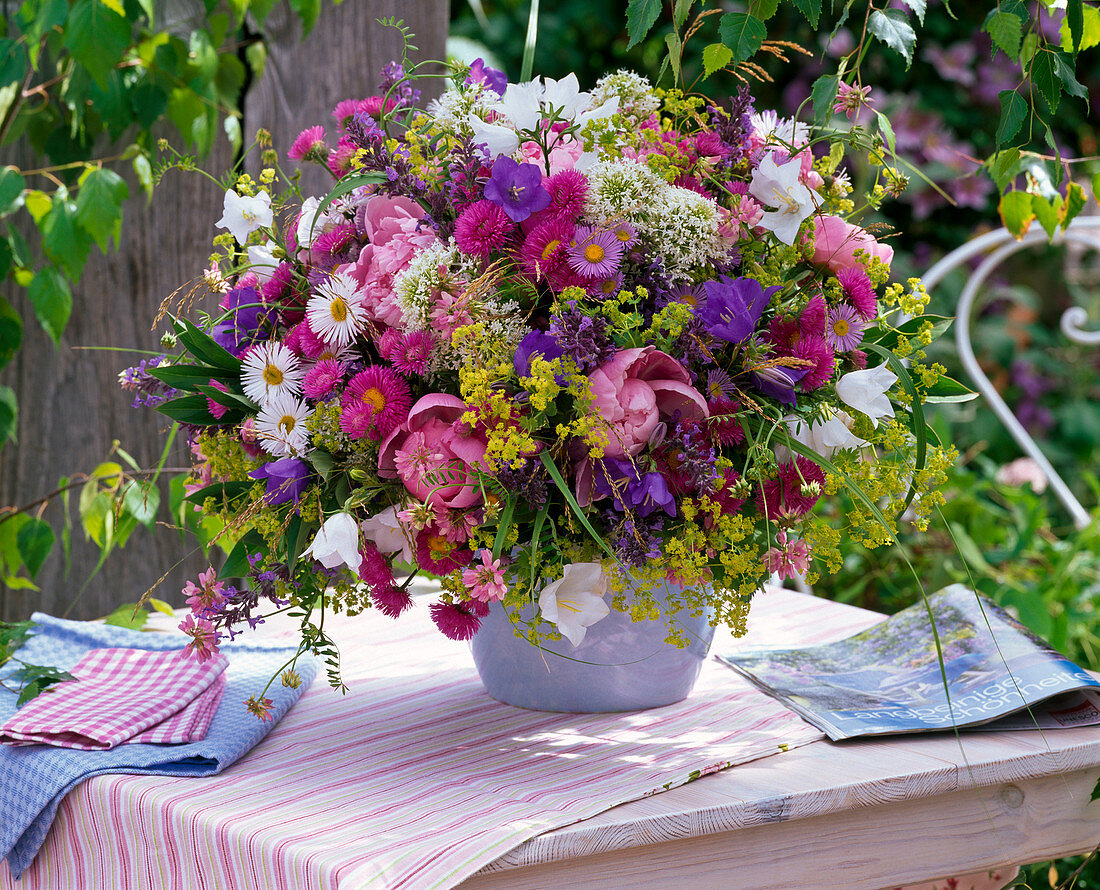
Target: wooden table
(856,814)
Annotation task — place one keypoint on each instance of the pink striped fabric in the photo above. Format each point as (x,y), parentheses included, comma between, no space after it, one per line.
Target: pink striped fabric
(415,778)
(122,695)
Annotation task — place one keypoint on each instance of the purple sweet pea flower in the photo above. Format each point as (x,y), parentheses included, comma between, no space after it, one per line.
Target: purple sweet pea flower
(535,343)
(517,188)
(643,493)
(778,382)
(734,306)
(493,78)
(285,479)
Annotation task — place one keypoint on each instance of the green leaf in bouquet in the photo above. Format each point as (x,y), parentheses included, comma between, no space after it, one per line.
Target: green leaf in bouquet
(65,243)
(226,492)
(1090,29)
(228,399)
(1014,112)
(1070,83)
(892,27)
(13,635)
(193,409)
(555,474)
(12,186)
(99,205)
(1004,166)
(641,16)
(1047,212)
(323,462)
(189,377)
(947,390)
(811,10)
(1044,76)
(742,33)
(204,348)
(823,93)
(97,36)
(888,337)
(716,56)
(919,8)
(237,564)
(52,300)
(1075,202)
(129,615)
(297,538)
(504,525)
(345,187)
(35,541)
(1075,23)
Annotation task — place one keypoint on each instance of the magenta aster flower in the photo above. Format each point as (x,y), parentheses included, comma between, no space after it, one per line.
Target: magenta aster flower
(845,329)
(309,145)
(412,352)
(517,188)
(323,378)
(456,621)
(811,323)
(438,554)
(543,251)
(595,253)
(568,192)
(817,351)
(482,228)
(375,402)
(794,493)
(375,569)
(216,409)
(390,600)
(859,291)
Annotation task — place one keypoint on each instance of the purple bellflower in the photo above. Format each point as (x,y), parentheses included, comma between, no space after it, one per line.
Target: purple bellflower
(517,188)
(493,78)
(630,489)
(285,479)
(535,343)
(734,306)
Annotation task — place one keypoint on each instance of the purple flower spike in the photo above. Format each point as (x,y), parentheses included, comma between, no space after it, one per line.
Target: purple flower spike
(734,306)
(285,479)
(517,188)
(493,78)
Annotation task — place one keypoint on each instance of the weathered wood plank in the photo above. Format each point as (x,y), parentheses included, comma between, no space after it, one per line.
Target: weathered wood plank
(868,848)
(72,408)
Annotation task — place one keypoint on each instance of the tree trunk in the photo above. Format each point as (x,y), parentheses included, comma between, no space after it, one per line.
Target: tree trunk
(71,407)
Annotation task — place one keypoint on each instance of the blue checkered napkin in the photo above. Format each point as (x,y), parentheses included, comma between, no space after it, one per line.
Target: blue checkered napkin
(34,779)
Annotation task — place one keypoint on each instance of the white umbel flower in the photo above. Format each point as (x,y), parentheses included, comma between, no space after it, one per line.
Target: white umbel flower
(335,312)
(576,600)
(269,370)
(281,427)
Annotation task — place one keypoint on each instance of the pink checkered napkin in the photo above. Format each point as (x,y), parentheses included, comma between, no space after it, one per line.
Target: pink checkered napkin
(117,695)
(190,724)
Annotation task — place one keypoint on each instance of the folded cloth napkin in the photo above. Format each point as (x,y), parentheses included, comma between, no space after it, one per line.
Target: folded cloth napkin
(35,778)
(117,695)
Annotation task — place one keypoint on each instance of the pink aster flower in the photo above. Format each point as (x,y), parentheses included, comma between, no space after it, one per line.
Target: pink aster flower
(457,621)
(309,145)
(624,233)
(823,361)
(602,288)
(372,105)
(302,341)
(568,192)
(375,569)
(723,426)
(438,555)
(345,110)
(412,352)
(788,558)
(323,378)
(217,410)
(543,249)
(859,291)
(595,253)
(485,582)
(390,600)
(375,402)
(482,228)
(845,329)
(339,159)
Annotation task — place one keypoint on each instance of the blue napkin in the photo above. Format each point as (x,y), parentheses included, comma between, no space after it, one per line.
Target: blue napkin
(34,779)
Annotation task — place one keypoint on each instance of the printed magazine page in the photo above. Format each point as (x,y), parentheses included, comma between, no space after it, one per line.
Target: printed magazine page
(890,678)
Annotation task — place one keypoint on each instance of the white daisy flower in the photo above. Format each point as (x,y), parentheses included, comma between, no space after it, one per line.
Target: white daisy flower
(335,312)
(281,426)
(269,370)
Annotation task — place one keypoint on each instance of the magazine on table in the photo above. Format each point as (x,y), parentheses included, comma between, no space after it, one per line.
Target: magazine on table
(890,677)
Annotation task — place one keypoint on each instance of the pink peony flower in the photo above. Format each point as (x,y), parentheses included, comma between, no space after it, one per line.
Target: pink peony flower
(638,387)
(836,241)
(391,226)
(435,454)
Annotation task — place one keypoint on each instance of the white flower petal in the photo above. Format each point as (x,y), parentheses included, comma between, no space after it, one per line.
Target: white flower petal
(576,601)
(386,532)
(337,543)
(866,391)
(244,214)
(499,139)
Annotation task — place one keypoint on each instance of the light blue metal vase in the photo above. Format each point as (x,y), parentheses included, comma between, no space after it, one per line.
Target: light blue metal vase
(620,665)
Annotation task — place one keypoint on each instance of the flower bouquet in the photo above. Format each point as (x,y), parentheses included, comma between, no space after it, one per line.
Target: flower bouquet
(572,352)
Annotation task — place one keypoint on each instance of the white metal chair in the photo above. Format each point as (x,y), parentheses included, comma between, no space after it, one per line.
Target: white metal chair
(1000,245)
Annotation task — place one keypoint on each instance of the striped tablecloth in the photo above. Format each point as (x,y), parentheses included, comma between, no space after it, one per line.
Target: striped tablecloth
(415,778)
